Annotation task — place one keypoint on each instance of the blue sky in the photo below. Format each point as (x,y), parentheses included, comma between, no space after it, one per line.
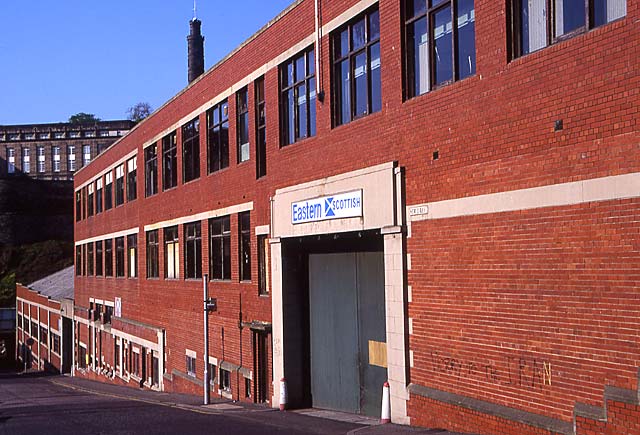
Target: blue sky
(67,56)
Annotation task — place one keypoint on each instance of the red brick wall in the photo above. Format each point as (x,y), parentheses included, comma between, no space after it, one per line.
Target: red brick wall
(501,297)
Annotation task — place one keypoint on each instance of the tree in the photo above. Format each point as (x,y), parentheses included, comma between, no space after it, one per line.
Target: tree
(138,112)
(83,118)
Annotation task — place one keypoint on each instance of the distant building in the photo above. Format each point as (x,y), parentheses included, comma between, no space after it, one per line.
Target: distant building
(55,151)
(44,330)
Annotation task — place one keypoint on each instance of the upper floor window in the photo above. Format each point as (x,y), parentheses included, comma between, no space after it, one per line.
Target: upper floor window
(71,158)
(171,253)
(192,250)
(99,195)
(536,24)
(151,170)
(120,185)
(191,150)
(41,159)
(440,46)
(220,248)
(132,255)
(261,129)
(119,256)
(86,155)
(78,206)
(99,258)
(169,161)
(298,98)
(78,260)
(218,136)
(26,160)
(55,151)
(108,190)
(152,254)
(132,179)
(356,66)
(90,259)
(90,193)
(242,124)
(11,160)
(108,257)
(244,230)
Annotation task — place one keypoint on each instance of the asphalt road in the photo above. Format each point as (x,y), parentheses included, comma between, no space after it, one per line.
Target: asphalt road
(34,405)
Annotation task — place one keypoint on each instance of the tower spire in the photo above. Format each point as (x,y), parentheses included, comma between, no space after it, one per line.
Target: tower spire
(195,10)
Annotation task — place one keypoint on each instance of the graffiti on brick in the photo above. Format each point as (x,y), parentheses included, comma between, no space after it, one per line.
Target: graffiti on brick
(519,371)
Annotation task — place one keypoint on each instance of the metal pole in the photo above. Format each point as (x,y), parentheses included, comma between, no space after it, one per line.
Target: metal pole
(205,282)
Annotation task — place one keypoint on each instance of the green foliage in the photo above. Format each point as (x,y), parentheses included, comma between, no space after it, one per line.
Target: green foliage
(8,290)
(83,118)
(138,112)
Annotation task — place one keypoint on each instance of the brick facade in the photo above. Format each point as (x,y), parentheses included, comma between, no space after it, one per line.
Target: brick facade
(521,307)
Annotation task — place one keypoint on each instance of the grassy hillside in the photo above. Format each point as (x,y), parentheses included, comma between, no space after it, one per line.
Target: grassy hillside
(28,263)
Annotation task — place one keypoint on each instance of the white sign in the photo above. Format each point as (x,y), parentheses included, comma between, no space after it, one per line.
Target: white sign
(343,205)
(419,210)
(118,307)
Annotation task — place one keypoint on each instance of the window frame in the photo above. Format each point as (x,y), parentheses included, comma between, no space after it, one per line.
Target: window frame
(262,242)
(337,59)
(119,185)
(132,256)
(90,259)
(215,148)
(99,258)
(169,161)
(108,190)
(108,258)
(132,179)
(153,254)
(261,127)
(242,117)
(309,82)
(222,241)
(244,246)
(120,257)
(151,170)
(191,150)
(171,240)
(193,249)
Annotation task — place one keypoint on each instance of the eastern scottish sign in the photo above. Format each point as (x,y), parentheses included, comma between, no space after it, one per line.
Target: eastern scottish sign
(343,205)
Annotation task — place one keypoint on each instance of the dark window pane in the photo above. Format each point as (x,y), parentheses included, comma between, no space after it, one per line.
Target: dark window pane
(290,116)
(312,107)
(301,110)
(376,84)
(227,258)
(345,89)
(466,39)
(360,75)
(443,55)
(311,62)
(358,35)
(416,7)
(374,26)
(343,45)
(301,71)
(570,15)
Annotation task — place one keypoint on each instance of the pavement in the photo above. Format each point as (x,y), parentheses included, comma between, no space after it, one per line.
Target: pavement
(363,425)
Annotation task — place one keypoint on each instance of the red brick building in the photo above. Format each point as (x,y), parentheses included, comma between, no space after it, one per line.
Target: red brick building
(441,194)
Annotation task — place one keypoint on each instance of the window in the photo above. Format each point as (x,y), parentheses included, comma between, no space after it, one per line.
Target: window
(437,52)
(263,271)
(78,206)
(132,250)
(99,258)
(84,260)
(191,150)
(247,388)
(192,250)
(55,151)
(225,380)
(536,24)
(90,190)
(244,220)
(171,253)
(261,129)
(11,161)
(212,373)
(108,190)
(99,195)
(90,259)
(220,248)
(218,136)
(82,357)
(152,254)
(356,63)
(71,158)
(34,330)
(84,202)
(120,185)
(86,155)
(242,124)
(132,182)
(78,260)
(151,170)
(298,98)
(119,256)
(169,162)
(59,135)
(55,341)
(26,160)
(116,352)
(108,257)
(41,159)
(191,365)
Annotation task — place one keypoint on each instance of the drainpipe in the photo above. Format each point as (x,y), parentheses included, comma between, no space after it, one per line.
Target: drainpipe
(205,282)
(319,92)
